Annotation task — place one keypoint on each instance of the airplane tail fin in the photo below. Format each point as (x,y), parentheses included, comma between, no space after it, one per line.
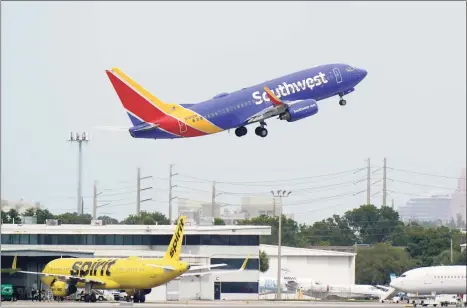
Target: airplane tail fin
(141,105)
(13,266)
(175,246)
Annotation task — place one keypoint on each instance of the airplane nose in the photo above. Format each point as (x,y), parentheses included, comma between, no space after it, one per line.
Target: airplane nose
(362,73)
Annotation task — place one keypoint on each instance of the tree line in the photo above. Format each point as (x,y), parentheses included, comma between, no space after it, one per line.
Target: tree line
(385,244)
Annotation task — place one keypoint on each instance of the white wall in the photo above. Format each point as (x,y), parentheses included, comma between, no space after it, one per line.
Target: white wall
(239,296)
(157,294)
(328,270)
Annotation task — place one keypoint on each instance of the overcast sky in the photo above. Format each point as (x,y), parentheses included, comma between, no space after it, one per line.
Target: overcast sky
(411,108)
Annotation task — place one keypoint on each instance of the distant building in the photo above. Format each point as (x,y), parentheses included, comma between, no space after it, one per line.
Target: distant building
(458,201)
(432,208)
(257,206)
(19,205)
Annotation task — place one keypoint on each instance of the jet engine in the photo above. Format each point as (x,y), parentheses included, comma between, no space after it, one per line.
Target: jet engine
(61,289)
(300,110)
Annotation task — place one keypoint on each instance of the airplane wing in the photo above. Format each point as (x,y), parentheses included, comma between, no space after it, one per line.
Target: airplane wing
(192,268)
(65,278)
(216,272)
(278,107)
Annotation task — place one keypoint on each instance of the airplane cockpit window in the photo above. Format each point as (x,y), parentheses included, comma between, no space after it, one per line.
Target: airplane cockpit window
(403,276)
(350,68)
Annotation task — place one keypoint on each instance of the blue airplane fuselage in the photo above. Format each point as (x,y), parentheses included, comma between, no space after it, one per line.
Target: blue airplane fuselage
(232,110)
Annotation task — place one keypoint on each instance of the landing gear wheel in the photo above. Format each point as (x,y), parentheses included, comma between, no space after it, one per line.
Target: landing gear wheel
(136,298)
(93,298)
(87,298)
(142,298)
(342,102)
(261,131)
(241,131)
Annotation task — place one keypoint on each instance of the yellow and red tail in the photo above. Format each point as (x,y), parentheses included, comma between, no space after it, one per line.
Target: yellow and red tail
(142,106)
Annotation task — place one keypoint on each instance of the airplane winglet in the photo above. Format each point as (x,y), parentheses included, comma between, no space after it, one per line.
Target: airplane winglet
(244,264)
(274,99)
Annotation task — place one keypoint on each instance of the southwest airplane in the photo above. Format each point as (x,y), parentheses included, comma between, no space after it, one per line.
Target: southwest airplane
(137,276)
(449,279)
(291,98)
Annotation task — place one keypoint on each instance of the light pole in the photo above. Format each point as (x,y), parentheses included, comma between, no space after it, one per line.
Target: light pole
(280,194)
(80,138)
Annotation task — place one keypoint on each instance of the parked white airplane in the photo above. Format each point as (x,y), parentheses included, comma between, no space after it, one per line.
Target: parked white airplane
(291,284)
(435,279)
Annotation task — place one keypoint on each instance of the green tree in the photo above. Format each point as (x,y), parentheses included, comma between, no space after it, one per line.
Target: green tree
(462,258)
(41,214)
(12,216)
(108,220)
(290,230)
(74,218)
(426,244)
(146,218)
(219,222)
(375,264)
(332,231)
(444,258)
(263,262)
(373,225)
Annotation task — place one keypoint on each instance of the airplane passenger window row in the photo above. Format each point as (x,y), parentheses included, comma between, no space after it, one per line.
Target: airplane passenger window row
(450,277)
(118,239)
(228,109)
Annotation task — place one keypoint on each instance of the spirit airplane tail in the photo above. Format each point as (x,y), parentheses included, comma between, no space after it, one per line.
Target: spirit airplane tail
(175,246)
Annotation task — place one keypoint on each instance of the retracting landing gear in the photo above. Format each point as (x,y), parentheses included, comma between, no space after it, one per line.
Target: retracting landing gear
(342,101)
(241,131)
(261,131)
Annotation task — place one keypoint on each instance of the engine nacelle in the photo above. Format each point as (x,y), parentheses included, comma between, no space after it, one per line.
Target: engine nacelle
(300,110)
(61,289)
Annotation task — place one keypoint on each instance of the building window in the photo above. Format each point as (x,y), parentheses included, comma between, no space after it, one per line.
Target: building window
(235,264)
(127,239)
(239,287)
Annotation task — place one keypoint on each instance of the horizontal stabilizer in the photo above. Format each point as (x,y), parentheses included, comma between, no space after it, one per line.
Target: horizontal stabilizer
(194,268)
(218,272)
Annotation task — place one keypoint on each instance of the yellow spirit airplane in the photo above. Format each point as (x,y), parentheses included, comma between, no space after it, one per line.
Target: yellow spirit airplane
(137,276)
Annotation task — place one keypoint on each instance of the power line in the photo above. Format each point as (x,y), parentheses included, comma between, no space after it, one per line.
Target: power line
(260,182)
(426,174)
(418,184)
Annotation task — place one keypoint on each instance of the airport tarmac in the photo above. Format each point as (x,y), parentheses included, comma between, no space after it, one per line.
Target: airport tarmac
(249,304)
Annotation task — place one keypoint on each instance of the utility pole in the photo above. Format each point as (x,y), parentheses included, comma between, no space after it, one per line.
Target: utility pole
(139,190)
(452,253)
(80,138)
(170,192)
(279,194)
(274,207)
(368,183)
(214,195)
(94,201)
(384,183)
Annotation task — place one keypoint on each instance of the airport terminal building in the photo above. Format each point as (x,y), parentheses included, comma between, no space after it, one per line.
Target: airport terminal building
(36,245)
